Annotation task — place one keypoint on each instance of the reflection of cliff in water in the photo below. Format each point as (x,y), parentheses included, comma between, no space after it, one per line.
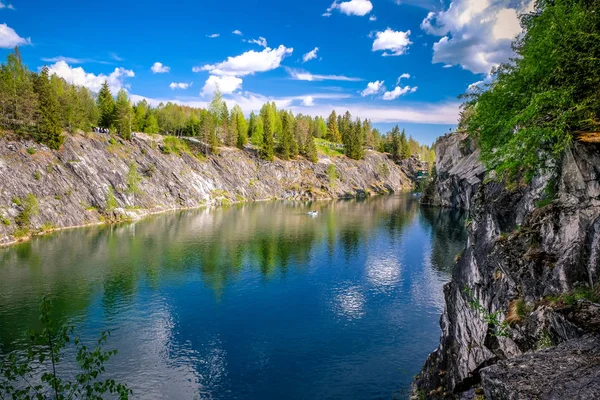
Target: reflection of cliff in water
(448,234)
(110,264)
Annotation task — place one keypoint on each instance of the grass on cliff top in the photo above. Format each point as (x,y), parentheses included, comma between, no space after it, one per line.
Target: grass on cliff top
(174,145)
(328,148)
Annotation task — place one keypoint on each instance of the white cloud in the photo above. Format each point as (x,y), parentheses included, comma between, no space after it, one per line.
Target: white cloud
(226,75)
(91,81)
(507,25)
(249,62)
(237,32)
(398,91)
(226,84)
(397,42)
(159,68)
(403,76)
(326,14)
(115,57)
(311,55)
(308,101)
(180,85)
(352,7)
(476,34)
(214,35)
(68,60)
(372,88)
(7,6)
(372,18)
(10,39)
(300,75)
(261,41)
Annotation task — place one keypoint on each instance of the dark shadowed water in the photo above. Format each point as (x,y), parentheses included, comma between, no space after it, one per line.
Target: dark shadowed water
(258,301)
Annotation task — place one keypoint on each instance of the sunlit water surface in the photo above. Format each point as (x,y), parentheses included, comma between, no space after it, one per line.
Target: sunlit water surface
(258,301)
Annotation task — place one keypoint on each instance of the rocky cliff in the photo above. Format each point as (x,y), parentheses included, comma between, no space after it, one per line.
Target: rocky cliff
(458,172)
(43,189)
(521,318)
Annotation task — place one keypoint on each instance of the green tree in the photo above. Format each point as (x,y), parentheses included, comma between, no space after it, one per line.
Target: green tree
(546,93)
(218,110)
(267,114)
(140,114)
(395,147)
(287,145)
(320,126)
(256,129)
(333,133)
(133,181)
(111,201)
(39,374)
(241,125)
(106,106)
(151,125)
(353,140)
(18,100)
(49,129)
(405,150)
(123,115)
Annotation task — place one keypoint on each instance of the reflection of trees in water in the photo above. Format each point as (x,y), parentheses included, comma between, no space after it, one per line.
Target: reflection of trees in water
(448,235)
(114,261)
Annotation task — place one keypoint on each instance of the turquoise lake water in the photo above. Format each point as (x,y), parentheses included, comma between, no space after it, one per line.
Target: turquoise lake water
(256,301)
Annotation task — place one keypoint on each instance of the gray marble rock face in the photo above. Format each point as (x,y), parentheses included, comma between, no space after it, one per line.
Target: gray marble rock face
(458,172)
(71,185)
(522,258)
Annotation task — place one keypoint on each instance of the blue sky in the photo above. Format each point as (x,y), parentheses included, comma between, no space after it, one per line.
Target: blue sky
(180,50)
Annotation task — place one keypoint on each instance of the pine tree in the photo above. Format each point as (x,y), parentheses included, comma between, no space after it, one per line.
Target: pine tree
(333,133)
(48,127)
(123,115)
(405,151)
(242,126)
(106,106)
(18,100)
(346,127)
(288,146)
(353,143)
(268,143)
(232,132)
(395,144)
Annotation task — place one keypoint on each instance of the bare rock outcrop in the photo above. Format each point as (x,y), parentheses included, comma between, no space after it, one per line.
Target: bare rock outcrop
(458,172)
(532,259)
(71,185)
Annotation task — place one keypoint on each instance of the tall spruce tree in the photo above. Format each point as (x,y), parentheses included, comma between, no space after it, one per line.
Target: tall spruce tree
(395,144)
(48,126)
(123,115)
(287,146)
(405,151)
(333,133)
(106,106)
(267,115)
(353,143)
(18,100)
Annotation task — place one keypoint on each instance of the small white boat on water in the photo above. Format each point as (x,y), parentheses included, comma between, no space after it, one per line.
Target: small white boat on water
(313,213)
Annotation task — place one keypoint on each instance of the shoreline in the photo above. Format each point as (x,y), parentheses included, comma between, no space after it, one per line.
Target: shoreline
(144,215)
